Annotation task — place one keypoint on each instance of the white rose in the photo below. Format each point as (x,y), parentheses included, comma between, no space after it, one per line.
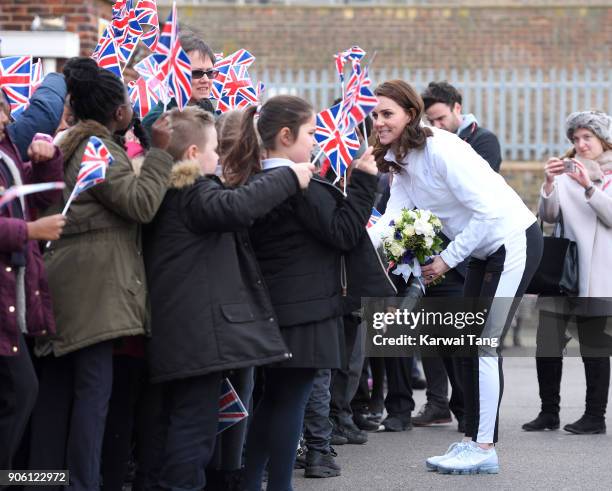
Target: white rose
(409,230)
(425,214)
(423,227)
(396,249)
(428,241)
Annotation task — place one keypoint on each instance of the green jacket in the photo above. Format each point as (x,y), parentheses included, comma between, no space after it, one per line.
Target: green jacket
(153,115)
(96,271)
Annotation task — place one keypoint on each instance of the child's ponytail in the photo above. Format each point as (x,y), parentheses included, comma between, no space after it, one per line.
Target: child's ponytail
(243,158)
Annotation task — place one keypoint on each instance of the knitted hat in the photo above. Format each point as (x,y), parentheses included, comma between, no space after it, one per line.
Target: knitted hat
(599,123)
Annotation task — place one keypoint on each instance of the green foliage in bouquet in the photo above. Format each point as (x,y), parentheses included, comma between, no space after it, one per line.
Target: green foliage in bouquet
(414,234)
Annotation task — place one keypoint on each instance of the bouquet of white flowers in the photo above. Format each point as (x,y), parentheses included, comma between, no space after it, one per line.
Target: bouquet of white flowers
(410,240)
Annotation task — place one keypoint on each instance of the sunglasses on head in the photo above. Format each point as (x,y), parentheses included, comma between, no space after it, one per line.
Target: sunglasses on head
(211,74)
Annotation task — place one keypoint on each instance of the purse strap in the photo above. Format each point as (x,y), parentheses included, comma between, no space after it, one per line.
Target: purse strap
(558,226)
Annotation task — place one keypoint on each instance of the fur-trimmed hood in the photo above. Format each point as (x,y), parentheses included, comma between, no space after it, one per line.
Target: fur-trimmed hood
(81,131)
(184,173)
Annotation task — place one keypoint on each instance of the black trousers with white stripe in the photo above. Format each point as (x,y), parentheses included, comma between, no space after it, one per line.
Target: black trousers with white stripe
(497,284)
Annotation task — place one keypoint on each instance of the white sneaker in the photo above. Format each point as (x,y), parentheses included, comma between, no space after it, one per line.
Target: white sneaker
(471,460)
(432,462)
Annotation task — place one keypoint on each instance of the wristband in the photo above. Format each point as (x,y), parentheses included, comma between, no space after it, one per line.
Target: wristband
(589,189)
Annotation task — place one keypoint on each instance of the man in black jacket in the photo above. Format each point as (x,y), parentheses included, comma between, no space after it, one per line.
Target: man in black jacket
(443,110)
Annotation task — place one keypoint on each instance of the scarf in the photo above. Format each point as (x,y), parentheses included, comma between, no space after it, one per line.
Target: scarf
(600,170)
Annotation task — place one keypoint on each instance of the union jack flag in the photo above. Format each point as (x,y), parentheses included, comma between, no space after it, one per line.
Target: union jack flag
(105,53)
(176,67)
(355,54)
(146,15)
(15,79)
(37,76)
(359,100)
(228,103)
(339,145)
(92,171)
(233,87)
(260,90)
(150,67)
(374,217)
(129,40)
(239,59)
(168,34)
(144,95)
(231,409)
(121,17)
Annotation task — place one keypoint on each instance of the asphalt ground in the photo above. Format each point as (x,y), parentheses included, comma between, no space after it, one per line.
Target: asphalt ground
(538,460)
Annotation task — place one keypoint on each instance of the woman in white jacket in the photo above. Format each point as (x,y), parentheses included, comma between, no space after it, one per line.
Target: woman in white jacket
(584,199)
(486,221)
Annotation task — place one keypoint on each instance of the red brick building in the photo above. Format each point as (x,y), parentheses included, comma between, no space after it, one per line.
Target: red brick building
(81,16)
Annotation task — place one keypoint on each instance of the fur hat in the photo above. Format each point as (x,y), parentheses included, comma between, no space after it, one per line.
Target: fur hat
(599,123)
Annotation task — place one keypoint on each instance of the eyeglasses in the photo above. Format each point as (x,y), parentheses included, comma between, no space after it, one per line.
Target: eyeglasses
(211,74)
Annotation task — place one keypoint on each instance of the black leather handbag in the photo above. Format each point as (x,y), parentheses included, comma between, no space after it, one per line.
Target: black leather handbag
(557,274)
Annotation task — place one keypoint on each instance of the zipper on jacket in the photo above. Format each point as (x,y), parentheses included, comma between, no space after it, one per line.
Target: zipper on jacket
(343,284)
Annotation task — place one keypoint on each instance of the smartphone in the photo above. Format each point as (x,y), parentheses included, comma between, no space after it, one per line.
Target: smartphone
(569,165)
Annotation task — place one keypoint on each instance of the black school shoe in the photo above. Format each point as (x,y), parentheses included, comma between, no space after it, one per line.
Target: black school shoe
(321,465)
(544,421)
(364,423)
(587,425)
(432,415)
(353,435)
(395,423)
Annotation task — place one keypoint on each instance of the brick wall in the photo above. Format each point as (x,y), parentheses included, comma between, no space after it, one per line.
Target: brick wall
(81,16)
(565,34)
(480,33)
(525,178)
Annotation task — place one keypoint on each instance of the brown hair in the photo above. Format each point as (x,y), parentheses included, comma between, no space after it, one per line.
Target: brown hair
(228,131)
(188,128)
(414,135)
(190,42)
(243,158)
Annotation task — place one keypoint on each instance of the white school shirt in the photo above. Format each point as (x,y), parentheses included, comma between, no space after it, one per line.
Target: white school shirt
(275,162)
(478,209)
